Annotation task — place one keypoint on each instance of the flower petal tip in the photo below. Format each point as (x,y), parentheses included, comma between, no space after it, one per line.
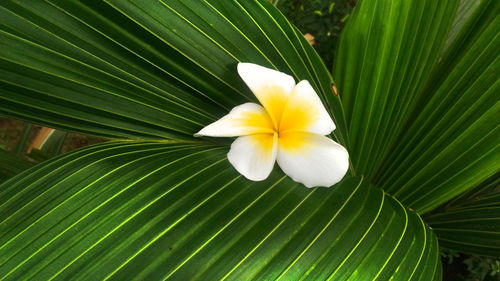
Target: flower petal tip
(199,134)
(242,66)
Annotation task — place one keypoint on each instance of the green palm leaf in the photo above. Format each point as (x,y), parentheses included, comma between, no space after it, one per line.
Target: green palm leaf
(144,69)
(451,142)
(148,211)
(11,165)
(426,136)
(466,10)
(384,56)
(472,230)
(471,222)
(417,99)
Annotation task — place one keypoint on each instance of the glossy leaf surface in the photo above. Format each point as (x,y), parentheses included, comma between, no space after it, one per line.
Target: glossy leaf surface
(384,56)
(144,69)
(148,211)
(422,123)
(471,222)
(451,142)
(11,164)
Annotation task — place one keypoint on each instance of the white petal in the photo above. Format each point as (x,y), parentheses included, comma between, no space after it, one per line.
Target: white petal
(245,119)
(254,156)
(312,159)
(272,88)
(305,112)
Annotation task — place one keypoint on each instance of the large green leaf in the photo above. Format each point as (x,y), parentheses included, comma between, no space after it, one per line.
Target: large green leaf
(472,230)
(484,194)
(149,211)
(422,123)
(164,69)
(471,222)
(144,69)
(451,142)
(466,10)
(11,164)
(384,56)
(472,17)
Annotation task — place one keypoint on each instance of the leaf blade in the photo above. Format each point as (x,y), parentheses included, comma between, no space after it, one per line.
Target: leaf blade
(471,222)
(179,210)
(452,136)
(143,70)
(384,52)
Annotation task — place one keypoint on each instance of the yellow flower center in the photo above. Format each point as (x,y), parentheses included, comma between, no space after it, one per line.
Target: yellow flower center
(288,116)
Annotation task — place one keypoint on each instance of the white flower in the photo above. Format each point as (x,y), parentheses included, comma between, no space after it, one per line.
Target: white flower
(289,128)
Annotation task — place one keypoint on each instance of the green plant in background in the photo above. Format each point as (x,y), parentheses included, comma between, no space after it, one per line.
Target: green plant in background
(19,159)
(323,19)
(470,267)
(416,111)
(483,268)
(27,145)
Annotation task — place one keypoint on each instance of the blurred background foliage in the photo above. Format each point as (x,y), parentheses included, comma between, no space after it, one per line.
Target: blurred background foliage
(22,144)
(320,20)
(463,267)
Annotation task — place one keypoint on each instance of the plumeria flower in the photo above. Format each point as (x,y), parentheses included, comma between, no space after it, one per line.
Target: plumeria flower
(289,128)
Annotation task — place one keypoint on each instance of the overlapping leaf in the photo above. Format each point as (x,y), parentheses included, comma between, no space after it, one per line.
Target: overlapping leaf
(471,222)
(11,165)
(384,56)
(149,211)
(484,194)
(465,10)
(426,136)
(451,142)
(471,230)
(163,69)
(143,69)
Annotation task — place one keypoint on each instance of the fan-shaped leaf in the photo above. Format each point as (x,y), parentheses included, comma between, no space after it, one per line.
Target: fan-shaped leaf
(451,142)
(150,211)
(472,230)
(383,59)
(143,69)
(471,222)
(11,164)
